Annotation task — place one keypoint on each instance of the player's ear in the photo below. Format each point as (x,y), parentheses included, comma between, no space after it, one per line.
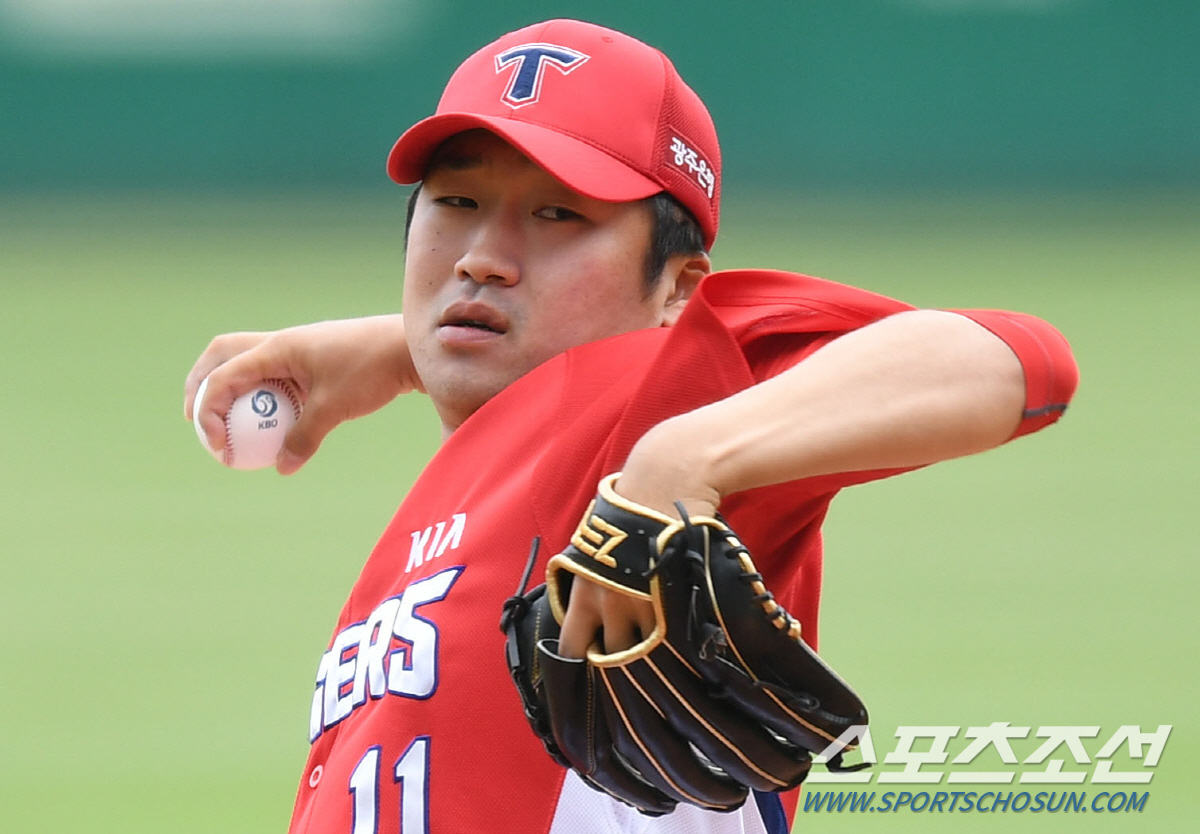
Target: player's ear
(680,278)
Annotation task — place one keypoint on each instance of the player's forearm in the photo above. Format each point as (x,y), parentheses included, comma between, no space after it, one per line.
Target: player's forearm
(912,389)
(384,343)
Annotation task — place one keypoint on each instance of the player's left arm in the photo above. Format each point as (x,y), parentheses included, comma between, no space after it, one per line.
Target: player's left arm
(912,389)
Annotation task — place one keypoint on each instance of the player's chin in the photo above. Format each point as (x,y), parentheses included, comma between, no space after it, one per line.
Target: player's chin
(461,387)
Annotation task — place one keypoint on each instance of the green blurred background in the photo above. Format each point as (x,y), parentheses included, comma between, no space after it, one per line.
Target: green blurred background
(172,170)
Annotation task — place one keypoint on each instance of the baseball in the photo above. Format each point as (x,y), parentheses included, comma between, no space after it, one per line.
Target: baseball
(255,424)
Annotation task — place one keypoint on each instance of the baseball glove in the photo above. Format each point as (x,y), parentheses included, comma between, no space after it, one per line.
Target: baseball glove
(723,696)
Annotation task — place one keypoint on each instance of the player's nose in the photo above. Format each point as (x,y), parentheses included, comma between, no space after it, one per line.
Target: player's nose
(493,253)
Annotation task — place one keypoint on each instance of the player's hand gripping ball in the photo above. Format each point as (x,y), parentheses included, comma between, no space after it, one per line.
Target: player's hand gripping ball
(255,424)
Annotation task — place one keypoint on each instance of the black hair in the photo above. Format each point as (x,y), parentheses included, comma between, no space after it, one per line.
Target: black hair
(674,231)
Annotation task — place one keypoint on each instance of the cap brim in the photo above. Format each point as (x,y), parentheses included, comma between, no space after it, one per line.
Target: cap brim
(578,165)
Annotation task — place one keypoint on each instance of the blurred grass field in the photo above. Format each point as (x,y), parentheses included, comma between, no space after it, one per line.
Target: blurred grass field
(163,616)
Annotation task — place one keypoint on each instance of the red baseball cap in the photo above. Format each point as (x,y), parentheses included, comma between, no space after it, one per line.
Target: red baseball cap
(602,112)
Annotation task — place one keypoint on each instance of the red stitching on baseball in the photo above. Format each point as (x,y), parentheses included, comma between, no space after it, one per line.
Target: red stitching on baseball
(227,451)
(289,390)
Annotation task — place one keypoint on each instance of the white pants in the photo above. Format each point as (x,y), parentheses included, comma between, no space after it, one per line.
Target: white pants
(584,810)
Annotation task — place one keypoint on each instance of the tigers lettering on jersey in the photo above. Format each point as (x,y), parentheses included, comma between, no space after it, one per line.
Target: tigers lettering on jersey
(393,651)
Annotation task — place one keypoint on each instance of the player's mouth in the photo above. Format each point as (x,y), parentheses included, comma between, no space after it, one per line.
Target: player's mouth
(470,322)
(477,325)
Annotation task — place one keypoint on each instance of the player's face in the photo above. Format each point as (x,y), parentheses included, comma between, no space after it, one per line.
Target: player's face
(507,267)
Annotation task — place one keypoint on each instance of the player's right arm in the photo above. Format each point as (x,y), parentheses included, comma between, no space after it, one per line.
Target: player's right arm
(345,368)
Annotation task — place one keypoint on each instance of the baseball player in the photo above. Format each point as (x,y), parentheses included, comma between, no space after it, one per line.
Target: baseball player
(561,312)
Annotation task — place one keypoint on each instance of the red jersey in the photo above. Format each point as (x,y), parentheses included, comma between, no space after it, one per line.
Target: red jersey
(415,725)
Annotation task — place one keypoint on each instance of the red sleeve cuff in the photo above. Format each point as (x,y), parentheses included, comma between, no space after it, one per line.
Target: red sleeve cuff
(1051,374)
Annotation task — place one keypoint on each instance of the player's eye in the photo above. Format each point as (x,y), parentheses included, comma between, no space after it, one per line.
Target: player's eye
(559,213)
(455,201)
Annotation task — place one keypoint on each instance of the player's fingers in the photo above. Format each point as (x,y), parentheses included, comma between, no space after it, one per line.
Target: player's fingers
(230,380)
(302,442)
(582,619)
(626,621)
(210,426)
(219,351)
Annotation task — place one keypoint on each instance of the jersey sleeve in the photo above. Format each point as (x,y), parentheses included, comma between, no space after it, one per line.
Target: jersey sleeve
(779,319)
(1051,375)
